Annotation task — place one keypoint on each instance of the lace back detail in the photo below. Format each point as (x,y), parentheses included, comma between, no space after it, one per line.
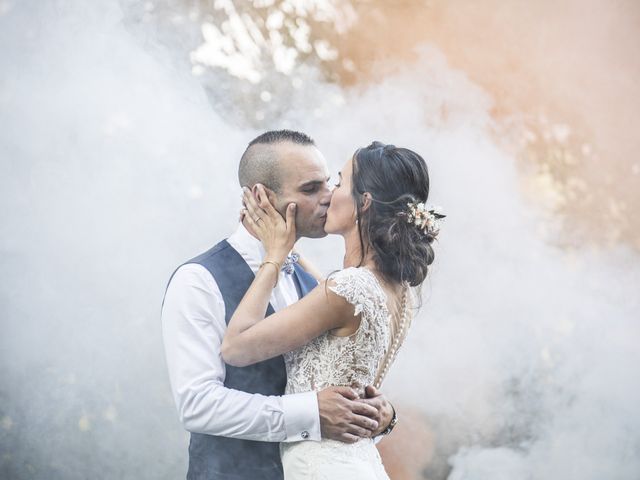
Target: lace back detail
(398,333)
(359,287)
(353,361)
(359,359)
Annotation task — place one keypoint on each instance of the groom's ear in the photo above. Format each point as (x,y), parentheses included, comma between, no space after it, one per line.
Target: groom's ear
(271,195)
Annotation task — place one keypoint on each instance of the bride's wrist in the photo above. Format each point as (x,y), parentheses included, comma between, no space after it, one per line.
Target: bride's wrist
(277,266)
(275,256)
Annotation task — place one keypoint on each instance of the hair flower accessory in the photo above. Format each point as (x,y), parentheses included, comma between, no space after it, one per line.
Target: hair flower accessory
(425,218)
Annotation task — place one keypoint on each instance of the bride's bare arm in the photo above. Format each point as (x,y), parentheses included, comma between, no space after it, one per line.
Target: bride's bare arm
(251,339)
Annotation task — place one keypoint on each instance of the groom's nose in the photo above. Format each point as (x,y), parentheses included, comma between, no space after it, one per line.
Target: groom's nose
(325,197)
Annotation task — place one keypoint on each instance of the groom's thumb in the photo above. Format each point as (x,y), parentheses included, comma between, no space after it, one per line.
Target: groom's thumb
(371,391)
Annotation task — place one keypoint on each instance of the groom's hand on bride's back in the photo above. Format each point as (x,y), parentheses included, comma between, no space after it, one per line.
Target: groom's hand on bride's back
(384,409)
(344,417)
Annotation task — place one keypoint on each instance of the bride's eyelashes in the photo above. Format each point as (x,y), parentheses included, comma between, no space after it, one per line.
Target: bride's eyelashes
(337,185)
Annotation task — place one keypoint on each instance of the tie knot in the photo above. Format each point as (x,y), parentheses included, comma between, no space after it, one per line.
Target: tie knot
(289,262)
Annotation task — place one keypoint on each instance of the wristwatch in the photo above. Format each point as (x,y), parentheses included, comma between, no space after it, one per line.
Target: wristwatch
(392,424)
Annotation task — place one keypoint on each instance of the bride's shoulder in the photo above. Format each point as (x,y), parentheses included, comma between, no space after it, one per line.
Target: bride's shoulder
(359,275)
(346,273)
(357,285)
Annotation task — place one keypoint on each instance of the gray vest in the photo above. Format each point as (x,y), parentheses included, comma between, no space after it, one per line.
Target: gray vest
(212,457)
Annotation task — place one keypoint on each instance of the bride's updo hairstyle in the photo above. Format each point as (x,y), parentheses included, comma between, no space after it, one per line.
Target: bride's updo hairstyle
(393,177)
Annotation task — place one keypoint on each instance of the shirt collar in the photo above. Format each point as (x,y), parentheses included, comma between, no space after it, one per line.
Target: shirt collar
(248,246)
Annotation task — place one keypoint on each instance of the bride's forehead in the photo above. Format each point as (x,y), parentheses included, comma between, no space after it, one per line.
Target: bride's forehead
(346,169)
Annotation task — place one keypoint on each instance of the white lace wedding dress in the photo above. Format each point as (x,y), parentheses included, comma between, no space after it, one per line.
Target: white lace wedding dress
(356,361)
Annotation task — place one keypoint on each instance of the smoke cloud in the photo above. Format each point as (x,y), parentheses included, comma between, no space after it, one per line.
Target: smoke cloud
(116,167)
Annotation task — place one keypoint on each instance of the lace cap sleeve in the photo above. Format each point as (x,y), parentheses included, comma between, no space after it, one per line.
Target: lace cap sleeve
(359,287)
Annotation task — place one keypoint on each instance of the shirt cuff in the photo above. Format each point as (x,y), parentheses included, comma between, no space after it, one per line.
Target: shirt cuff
(301,416)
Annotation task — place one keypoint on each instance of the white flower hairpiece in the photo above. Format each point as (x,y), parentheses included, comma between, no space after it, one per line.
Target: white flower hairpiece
(425,218)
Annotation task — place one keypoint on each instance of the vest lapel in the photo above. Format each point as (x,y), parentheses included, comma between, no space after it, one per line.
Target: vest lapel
(303,280)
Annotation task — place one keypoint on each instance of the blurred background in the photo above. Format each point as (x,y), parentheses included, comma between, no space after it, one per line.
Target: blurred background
(122,124)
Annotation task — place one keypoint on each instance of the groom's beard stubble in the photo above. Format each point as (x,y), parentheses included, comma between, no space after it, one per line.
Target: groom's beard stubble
(314,229)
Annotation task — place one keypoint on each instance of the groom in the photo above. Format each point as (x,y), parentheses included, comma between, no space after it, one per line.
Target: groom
(236,416)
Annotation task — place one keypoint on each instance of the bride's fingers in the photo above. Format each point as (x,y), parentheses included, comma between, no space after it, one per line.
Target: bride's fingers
(265,203)
(256,222)
(252,207)
(250,220)
(291,218)
(252,214)
(249,199)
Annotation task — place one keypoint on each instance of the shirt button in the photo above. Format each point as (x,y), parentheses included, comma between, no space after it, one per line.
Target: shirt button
(304,434)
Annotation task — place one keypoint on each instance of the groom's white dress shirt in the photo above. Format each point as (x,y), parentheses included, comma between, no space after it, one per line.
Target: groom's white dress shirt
(193,325)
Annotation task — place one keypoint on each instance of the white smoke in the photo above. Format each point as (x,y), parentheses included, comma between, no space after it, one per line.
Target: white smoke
(521,355)
(115,168)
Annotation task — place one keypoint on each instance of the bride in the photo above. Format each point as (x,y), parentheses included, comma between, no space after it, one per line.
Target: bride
(347,331)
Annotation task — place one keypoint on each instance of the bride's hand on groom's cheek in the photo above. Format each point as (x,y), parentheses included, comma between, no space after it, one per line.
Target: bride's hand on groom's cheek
(276,233)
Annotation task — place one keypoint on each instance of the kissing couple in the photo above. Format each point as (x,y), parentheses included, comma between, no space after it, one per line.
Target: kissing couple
(275,371)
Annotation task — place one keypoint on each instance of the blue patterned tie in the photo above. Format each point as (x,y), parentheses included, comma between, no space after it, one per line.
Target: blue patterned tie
(289,262)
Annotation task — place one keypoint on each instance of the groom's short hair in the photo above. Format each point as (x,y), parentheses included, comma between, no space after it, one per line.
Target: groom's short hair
(260,163)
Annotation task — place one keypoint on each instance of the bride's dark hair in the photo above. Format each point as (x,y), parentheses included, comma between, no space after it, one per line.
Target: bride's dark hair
(393,177)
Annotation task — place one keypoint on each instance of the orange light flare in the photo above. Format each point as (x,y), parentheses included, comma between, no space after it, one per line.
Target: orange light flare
(409,448)
(565,80)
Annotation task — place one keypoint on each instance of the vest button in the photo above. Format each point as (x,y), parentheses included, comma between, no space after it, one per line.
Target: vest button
(304,434)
